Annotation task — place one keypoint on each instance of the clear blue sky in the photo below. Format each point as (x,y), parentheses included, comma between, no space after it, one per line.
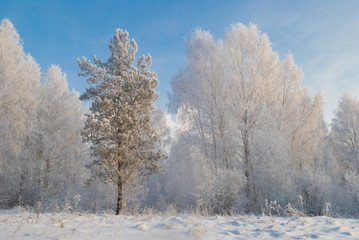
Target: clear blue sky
(322,35)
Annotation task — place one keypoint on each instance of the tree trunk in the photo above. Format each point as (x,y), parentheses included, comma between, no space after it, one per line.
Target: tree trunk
(119,190)
(119,198)
(21,188)
(200,128)
(247,174)
(248,171)
(47,175)
(214,143)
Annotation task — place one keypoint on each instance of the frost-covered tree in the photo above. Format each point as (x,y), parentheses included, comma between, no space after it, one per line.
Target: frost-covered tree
(118,125)
(19,82)
(156,196)
(345,133)
(344,141)
(247,112)
(42,156)
(57,142)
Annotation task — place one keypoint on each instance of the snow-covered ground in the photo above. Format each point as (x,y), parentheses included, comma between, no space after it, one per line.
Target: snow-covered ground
(20,224)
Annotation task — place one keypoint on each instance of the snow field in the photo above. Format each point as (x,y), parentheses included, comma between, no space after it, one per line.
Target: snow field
(20,224)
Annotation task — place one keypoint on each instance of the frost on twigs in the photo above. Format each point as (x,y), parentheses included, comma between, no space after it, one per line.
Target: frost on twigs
(118,124)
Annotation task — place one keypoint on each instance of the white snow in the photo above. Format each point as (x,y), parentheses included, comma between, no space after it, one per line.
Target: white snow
(20,224)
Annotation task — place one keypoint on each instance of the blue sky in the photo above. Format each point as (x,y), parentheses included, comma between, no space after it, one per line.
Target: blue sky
(322,35)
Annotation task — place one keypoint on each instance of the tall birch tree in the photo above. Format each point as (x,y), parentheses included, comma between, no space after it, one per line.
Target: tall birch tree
(19,81)
(248,113)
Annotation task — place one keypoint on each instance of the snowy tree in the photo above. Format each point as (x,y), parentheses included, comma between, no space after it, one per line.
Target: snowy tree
(344,133)
(344,142)
(248,112)
(19,82)
(41,150)
(118,126)
(156,196)
(58,148)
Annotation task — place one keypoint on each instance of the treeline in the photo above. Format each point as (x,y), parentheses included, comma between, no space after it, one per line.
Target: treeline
(41,151)
(246,132)
(250,132)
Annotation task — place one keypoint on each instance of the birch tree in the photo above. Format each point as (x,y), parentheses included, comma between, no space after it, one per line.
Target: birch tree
(57,143)
(19,82)
(345,133)
(41,148)
(248,112)
(344,141)
(118,124)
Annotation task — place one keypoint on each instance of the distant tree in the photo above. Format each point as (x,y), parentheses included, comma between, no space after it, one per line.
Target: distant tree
(155,186)
(345,133)
(344,140)
(118,124)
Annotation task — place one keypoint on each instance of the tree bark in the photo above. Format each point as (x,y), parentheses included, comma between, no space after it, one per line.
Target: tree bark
(47,175)
(247,173)
(119,190)
(119,198)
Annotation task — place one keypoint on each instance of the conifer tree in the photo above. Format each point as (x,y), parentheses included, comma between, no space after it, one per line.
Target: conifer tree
(118,124)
